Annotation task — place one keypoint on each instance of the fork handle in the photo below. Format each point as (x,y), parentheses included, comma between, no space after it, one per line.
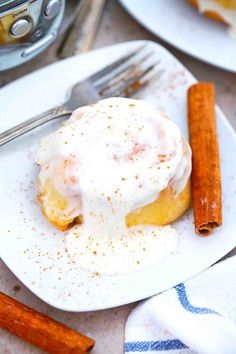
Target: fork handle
(32,123)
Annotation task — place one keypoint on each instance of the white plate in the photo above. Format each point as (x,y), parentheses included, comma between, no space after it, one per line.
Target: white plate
(35,251)
(182,26)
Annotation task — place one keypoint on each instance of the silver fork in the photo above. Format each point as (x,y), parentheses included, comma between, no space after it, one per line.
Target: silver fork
(123,77)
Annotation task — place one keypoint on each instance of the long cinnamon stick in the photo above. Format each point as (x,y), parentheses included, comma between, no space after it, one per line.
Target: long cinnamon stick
(206,179)
(46,333)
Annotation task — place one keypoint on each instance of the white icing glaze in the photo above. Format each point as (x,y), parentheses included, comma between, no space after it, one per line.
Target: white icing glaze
(228,14)
(107,160)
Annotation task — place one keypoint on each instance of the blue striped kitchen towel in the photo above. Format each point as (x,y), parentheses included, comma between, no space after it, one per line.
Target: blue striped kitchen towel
(198,316)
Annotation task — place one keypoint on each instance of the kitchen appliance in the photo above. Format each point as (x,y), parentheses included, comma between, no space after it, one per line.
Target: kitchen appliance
(27,27)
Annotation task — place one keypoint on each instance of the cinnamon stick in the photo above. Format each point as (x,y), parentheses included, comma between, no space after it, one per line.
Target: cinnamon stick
(205,179)
(42,331)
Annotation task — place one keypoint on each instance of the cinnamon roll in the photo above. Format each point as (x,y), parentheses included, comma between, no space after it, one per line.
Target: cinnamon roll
(220,10)
(116,159)
(120,170)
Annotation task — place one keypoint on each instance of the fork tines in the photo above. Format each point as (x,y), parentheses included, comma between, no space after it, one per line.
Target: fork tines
(126,75)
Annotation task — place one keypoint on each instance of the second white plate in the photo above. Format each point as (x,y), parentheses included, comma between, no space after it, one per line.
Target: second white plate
(35,250)
(182,26)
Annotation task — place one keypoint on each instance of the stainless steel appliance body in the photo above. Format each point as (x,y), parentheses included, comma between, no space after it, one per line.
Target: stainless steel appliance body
(27,27)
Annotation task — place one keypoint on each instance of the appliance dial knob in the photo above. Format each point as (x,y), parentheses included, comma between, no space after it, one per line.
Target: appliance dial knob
(52,8)
(21,27)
